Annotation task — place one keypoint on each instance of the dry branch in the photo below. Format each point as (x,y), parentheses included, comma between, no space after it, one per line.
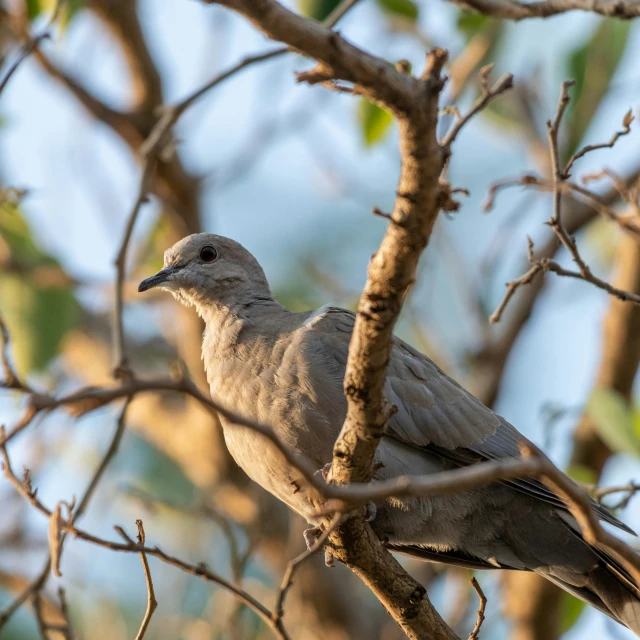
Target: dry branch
(130,546)
(561,185)
(487,95)
(294,565)
(481,608)
(152,603)
(512,10)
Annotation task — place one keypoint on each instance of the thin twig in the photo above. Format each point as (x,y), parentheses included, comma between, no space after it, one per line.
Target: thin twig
(36,600)
(514,285)
(130,546)
(630,489)
(152,603)
(27,50)
(237,559)
(554,148)
(292,567)
(626,128)
(483,604)
(40,580)
(156,147)
(488,94)
(561,186)
(64,608)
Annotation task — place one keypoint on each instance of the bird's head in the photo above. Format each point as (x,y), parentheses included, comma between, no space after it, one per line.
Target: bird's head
(205,269)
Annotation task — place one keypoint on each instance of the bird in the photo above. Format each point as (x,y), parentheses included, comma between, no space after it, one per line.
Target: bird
(286,369)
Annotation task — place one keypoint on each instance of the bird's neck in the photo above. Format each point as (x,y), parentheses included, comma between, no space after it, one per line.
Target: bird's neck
(226,321)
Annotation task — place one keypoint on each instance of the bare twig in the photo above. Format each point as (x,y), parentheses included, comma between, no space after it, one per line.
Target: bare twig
(512,287)
(497,186)
(36,600)
(26,50)
(39,582)
(561,185)
(156,147)
(554,148)
(152,603)
(149,158)
(483,604)
(64,608)
(630,489)
(130,546)
(626,128)
(488,94)
(292,567)
(237,559)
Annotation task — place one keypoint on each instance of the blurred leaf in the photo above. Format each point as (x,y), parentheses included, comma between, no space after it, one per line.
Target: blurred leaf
(610,412)
(160,237)
(68,12)
(34,8)
(38,320)
(582,473)
(374,121)
(469,24)
(635,419)
(403,8)
(157,474)
(570,610)
(37,317)
(504,113)
(318,9)
(593,65)
(602,239)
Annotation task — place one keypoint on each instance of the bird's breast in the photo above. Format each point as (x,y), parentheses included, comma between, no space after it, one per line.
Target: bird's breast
(271,395)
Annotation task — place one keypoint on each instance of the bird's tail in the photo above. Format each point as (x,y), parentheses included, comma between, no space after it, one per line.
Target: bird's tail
(610,589)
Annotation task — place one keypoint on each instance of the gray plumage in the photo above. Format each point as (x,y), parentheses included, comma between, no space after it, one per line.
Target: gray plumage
(286,369)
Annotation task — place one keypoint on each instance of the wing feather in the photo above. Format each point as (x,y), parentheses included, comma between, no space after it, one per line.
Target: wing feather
(436,414)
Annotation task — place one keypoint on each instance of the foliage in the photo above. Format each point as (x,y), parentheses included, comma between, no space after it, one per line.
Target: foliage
(37,314)
(375,122)
(618,424)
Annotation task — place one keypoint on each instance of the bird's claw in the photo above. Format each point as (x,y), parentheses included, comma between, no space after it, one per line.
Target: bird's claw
(371,511)
(311,535)
(324,472)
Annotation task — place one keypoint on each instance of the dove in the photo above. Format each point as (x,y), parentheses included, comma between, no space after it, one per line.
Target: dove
(286,369)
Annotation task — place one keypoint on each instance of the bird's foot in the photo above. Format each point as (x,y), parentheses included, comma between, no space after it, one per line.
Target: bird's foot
(328,558)
(311,536)
(324,472)
(371,511)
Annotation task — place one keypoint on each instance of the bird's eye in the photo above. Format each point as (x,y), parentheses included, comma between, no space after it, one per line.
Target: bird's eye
(208,254)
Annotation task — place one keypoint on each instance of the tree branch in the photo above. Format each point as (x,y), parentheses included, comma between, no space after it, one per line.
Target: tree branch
(511,10)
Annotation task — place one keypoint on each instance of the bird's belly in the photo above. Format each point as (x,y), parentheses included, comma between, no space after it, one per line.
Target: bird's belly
(265,465)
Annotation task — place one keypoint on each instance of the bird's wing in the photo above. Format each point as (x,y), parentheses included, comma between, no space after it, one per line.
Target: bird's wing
(436,414)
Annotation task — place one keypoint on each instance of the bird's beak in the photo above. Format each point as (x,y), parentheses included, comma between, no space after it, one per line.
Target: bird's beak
(157,279)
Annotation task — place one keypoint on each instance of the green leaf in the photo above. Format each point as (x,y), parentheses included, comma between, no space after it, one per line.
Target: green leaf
(374,121)
(38,316)
(403,8)
(318,9)
(34,9)
(582,473)
(68,12)
(37,319)
(613,419)
(472,23)
(570,610)
(593,65)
